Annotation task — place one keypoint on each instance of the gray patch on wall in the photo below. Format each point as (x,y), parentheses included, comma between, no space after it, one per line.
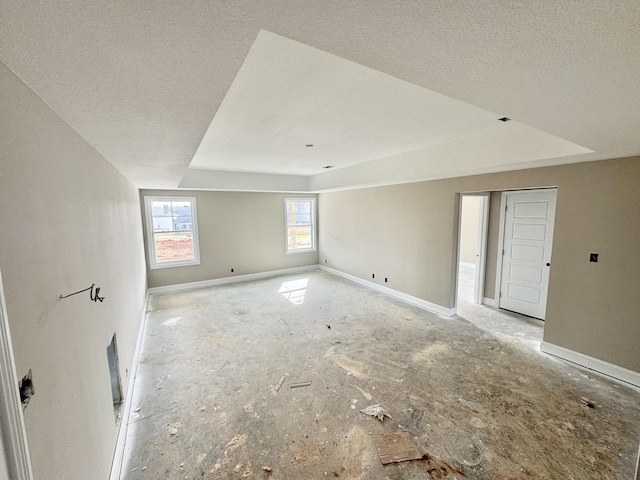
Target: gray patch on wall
(26,389)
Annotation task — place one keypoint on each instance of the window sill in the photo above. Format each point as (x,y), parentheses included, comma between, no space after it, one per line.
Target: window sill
(307,250)
(174,264)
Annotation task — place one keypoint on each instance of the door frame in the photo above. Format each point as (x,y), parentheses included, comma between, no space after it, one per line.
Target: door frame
(11,420)
(481,260)
(503,206)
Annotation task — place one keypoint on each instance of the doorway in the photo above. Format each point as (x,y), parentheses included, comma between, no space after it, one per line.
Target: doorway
(472,247)
(526,238)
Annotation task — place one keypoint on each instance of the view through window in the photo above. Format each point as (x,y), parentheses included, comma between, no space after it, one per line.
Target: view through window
(172,230)
(300,220)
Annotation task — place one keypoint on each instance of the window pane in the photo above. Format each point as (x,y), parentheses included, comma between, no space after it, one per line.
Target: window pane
(173,246)
(161,216)
(299,223)
(182,218)
(298,213)
(299,237)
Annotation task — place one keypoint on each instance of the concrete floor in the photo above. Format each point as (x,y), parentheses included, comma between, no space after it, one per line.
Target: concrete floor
(474,391)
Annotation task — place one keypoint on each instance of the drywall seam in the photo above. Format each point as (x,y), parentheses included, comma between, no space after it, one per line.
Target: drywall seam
(600,366)
(16,445)
(226,280)
(118,455)
(488,301)
(418,302)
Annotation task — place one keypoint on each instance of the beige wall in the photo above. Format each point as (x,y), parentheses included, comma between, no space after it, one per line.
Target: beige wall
(243,231)
(69,219)
(405,232)
(469,224)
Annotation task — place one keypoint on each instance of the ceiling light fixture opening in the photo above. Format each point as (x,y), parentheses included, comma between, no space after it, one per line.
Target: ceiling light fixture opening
(504,119)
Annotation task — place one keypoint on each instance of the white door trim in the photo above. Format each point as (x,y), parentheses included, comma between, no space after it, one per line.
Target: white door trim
(481,260)
(503,204)
(503,207)
(11,420)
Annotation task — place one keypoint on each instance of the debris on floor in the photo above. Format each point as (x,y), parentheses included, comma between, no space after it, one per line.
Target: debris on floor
(439,468)
(366,395)
(173,429)
(280,382)
(301,384)
(267,469)
(588,402)
(396,447)
(376,411)
(473,406)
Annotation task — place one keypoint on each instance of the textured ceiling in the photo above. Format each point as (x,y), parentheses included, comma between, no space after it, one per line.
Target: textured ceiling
(293,110)
(142,81)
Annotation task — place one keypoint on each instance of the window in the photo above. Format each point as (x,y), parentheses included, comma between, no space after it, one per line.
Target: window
(172,231)
(300,222)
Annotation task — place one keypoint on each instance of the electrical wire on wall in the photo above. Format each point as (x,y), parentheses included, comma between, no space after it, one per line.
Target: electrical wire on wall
(94,297)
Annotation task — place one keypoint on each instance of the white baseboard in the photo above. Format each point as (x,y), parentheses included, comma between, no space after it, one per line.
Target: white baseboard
(226,280)
(488,301)
(418,302)
(600,366)
(118,456)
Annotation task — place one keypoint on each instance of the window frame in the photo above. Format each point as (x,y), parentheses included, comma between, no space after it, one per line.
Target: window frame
(151,246)
(313,247)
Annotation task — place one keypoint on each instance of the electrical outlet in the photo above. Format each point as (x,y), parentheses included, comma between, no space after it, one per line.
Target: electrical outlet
(325,260)
(385,280)
(593,257)
(373,275)
(232,270)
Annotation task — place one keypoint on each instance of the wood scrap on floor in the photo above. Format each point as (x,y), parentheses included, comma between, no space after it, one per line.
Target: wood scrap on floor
(301,384)
(396,447)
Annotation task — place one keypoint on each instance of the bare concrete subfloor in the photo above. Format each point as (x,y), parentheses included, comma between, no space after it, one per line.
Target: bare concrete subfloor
(474,392)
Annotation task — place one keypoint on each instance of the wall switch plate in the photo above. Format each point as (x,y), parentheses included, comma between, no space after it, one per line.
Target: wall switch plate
(593,257)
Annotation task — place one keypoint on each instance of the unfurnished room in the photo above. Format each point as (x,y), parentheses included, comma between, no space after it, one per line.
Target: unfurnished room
(304,240)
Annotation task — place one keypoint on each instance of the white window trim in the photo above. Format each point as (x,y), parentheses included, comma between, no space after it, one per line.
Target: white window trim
(313,226)
(153,265)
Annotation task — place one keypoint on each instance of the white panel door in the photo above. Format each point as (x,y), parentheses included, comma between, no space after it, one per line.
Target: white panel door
(526,254)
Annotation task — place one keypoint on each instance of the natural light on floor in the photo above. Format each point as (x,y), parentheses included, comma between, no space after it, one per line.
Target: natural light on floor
(172,322)
(295,290)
